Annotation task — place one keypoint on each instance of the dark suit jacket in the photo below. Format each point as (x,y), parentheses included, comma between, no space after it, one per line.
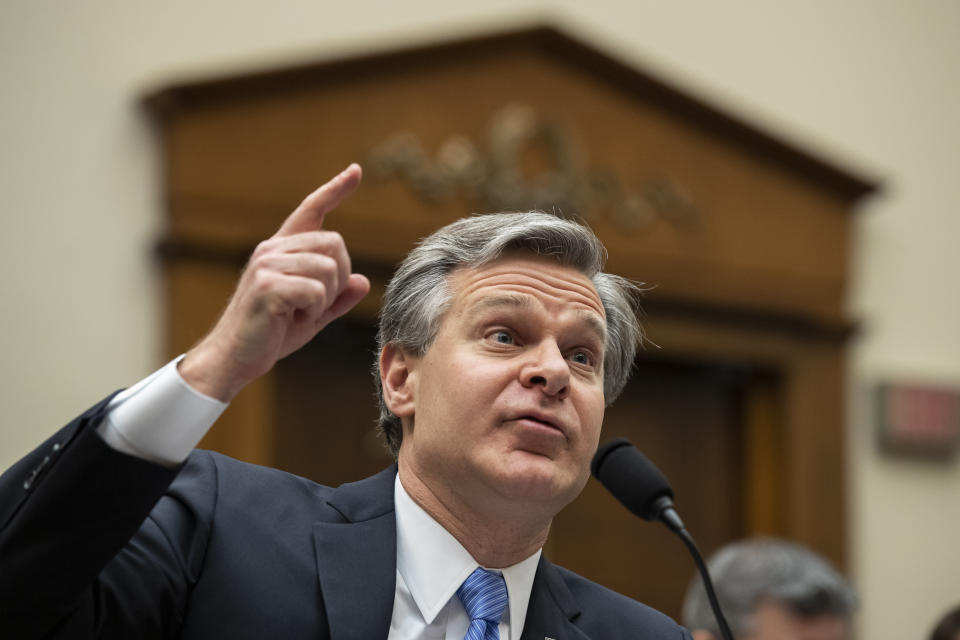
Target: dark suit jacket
(95,543)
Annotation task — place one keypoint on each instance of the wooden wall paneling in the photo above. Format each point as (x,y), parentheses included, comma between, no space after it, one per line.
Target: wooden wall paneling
(808,471)
(685,417)
(326,413)
(816,499)
(764,457)
(236,150)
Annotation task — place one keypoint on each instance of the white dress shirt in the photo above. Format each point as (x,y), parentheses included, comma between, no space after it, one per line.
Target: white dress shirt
(162,419)
(431,566)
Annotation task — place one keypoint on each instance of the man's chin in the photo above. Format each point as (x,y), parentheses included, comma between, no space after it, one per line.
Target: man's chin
(536,479)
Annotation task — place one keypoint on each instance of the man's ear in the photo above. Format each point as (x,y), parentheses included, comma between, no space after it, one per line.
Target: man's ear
(701,634)
(398,381)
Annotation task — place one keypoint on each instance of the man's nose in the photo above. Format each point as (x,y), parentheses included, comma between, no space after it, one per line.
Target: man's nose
(548,369)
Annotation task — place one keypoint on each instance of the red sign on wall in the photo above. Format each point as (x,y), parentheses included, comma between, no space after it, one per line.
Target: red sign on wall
(918,419)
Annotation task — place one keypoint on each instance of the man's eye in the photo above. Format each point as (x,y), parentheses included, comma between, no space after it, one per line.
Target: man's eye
(582,357)
(502,337)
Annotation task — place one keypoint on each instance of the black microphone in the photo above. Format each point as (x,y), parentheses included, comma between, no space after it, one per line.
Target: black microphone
(636,482)
(643,489)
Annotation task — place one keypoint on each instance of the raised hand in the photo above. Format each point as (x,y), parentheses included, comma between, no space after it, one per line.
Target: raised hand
(296,282)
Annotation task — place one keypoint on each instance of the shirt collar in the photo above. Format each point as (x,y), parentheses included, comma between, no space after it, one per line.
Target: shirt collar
(433,564)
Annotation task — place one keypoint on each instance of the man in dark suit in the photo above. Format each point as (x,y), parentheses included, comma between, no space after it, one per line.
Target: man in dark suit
(501,341)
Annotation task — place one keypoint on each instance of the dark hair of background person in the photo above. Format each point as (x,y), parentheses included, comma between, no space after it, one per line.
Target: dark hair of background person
(949,626)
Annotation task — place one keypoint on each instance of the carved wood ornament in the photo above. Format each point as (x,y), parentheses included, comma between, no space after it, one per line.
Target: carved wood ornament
(489,174)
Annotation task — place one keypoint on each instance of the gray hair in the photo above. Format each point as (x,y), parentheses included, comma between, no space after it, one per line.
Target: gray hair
(750,572)
(418,295)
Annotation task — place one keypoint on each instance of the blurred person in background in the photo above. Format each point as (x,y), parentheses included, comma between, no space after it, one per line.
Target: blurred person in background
(949,626)
(772,590)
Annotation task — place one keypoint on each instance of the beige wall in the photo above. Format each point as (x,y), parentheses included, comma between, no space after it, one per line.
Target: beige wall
(872,84)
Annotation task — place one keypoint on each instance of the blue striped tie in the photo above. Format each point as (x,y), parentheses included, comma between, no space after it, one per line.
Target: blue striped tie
(484,596)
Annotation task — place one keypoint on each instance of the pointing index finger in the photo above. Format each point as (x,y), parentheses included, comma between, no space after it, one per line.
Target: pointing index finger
(311,212)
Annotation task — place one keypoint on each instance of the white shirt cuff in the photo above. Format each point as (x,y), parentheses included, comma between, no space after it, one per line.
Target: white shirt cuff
(161,418)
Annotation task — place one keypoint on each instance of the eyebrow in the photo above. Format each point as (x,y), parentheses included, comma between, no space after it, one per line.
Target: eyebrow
(526,302)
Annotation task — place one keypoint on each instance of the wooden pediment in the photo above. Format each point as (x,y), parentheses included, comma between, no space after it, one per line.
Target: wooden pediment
(702,206)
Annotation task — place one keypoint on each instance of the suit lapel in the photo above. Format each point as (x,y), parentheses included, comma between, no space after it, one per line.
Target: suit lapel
(552,607)
(357,567)
(357,558)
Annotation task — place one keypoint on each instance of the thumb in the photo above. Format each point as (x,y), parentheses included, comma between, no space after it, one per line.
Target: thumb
(357,288)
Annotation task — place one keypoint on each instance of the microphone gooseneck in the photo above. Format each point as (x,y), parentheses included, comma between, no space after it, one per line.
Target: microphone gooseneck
(643,489)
